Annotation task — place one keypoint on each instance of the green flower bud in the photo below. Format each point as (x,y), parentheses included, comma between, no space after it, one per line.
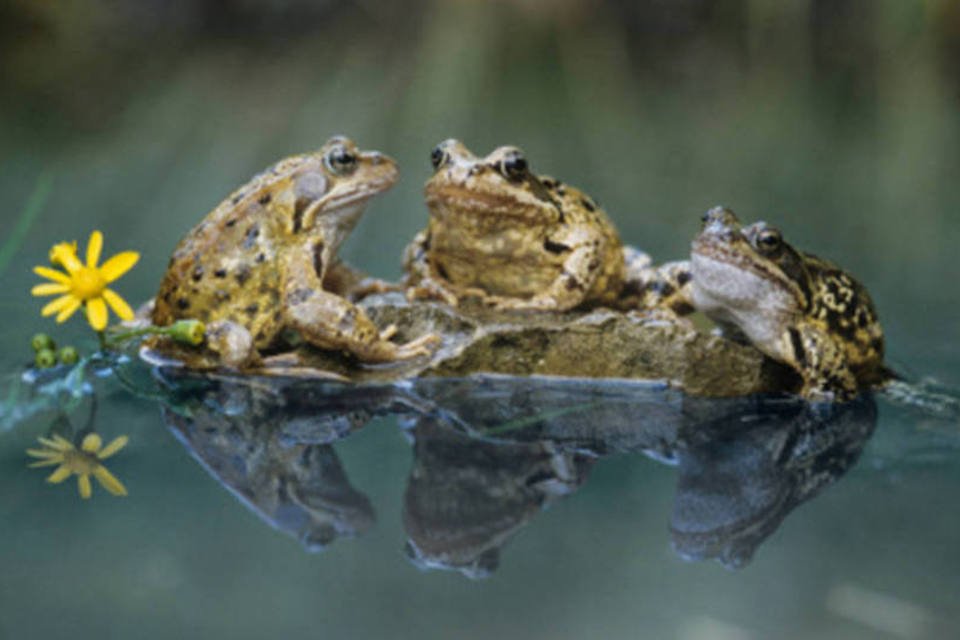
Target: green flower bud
(187,331)
(45,359)
(68,355)
(42,341)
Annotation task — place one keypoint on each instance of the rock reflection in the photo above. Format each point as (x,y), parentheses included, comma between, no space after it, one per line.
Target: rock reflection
(490,453)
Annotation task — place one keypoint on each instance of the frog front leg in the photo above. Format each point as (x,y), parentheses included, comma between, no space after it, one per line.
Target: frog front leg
(582,249)
(821,362)
(342,279)
(420,281)
(329,321)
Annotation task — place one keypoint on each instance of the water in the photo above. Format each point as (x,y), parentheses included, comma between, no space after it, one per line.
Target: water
(853,150)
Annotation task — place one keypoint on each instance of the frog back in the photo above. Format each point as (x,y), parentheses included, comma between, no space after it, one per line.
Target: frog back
(841,306)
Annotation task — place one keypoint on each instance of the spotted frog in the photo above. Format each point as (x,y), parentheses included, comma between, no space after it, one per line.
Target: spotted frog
(263,265)
(512,239)
(794,307)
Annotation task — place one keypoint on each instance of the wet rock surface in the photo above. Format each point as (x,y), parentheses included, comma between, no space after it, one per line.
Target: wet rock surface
(597,344)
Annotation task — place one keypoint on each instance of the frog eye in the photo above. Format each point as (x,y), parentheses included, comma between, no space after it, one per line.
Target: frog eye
(769,240)
(514,166)
(341,161)
(439,157)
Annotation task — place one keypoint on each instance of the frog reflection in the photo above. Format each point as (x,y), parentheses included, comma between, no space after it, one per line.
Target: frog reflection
(466,498)
(737,483)
(743,464)
(271,446)
(490,453)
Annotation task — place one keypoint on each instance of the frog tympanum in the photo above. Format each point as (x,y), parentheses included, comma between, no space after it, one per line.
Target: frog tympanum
(515,240)
(794,307)
(262,266)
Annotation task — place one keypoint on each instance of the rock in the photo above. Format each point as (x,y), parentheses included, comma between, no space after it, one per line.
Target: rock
(596,344)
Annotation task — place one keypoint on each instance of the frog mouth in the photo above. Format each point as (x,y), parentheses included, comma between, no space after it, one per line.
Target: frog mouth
(722,255)
(457,200)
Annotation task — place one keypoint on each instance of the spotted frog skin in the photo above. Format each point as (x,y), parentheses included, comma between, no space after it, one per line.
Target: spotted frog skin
(515,240)
(794,307)
(262,265)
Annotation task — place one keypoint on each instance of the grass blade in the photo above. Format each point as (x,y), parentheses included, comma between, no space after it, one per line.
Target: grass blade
(41,191)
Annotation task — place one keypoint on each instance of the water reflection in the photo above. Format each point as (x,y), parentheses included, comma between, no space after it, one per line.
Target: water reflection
(491,453)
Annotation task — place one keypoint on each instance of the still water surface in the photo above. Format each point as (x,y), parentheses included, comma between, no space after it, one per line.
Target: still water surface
(517,510)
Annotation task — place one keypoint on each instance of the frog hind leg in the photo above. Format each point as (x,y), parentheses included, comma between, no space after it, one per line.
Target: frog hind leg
(578,275)
(329,321)
(664,288)
(822,363)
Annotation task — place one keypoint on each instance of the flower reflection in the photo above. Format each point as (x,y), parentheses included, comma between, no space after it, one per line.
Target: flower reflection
(82,462)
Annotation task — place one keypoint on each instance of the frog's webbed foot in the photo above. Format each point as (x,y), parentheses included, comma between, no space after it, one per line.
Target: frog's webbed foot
(433,289)
(232,343)
(328,321)
(422,346)
(537,303)
(372,286)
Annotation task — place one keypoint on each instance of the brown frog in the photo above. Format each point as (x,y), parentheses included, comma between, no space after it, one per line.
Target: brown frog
(794,307)
(515,240)
(263,265)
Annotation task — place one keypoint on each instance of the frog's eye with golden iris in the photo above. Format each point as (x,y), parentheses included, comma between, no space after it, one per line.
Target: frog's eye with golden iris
(514,166)
(439,157)
(340,161)
(769,240)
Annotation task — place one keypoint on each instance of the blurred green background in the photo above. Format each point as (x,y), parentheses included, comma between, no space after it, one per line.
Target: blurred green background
(836,119)
(839,120)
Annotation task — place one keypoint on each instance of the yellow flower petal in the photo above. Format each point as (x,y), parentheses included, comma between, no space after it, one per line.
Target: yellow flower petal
(68,309)
(93,249)
(97,314)
(70,261)
(91,443)
(109,481)
(62,442)
(83,484)
(118,304)
(59,475)
(113,447)
(46,463)
(52,274)
(119,265)
(58,442)
(44,453)
(49,289)
(57,305)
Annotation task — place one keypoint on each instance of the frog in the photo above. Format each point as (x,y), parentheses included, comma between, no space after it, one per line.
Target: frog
(261,269)
(803,311)
(512,239)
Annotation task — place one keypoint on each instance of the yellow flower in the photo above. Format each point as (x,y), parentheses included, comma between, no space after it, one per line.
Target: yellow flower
(85,284)
(61,246)
(84,462)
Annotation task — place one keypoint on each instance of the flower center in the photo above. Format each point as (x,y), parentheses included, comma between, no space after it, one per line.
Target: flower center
(87,283)
(80,462)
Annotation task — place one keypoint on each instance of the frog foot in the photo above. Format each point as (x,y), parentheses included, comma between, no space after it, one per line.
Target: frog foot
(371,286)
(388,332)
(422,346)
(539,303)
(431,290)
